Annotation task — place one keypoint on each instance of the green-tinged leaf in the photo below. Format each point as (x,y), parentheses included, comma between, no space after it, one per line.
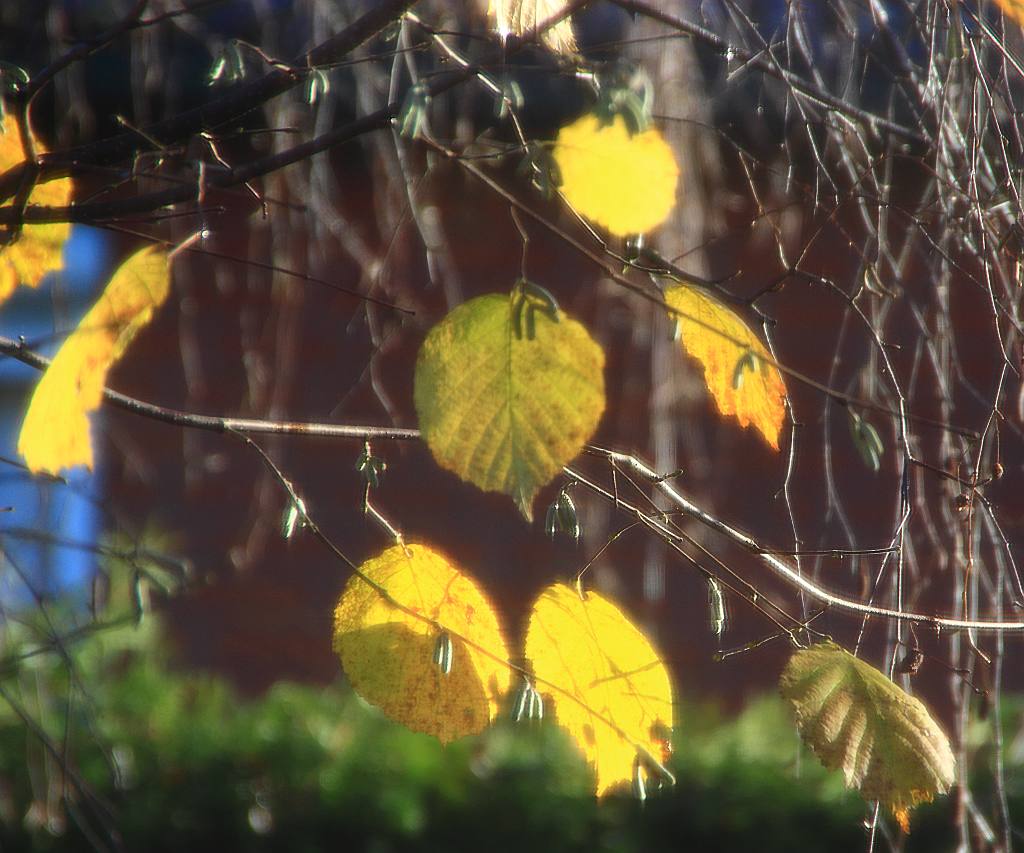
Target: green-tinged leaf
(506,411)
(419,639)
(856,720)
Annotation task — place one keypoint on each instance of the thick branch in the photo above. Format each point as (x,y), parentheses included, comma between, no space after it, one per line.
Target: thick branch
(102,211)
(229,107)
(105,210)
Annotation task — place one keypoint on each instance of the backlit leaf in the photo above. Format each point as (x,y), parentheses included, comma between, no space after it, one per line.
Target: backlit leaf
(856,720)
(55,434)
(37,249)
(506,411)
(443,673)
(626,183)
(1012,9)
(617,699)
(738,370)
(523,17)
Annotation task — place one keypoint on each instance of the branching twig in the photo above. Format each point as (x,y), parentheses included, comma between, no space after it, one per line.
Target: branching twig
(768,557)
(782,568)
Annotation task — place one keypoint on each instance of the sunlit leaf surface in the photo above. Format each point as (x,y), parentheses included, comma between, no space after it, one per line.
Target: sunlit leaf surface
(624,183)
(738,370)
(856,720)
(1012,9)
(55,433)
(441,671)
(522,17)
(37,249)
(501,407)
(614,696)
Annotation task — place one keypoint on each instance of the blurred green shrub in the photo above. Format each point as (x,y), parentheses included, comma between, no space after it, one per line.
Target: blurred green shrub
(184,763)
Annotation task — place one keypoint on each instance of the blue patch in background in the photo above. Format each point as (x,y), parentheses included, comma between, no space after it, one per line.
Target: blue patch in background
(47,535)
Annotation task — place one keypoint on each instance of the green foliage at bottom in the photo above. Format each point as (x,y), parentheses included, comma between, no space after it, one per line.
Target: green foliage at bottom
(179,762)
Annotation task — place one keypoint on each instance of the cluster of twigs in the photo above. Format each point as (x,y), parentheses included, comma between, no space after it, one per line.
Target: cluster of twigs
(889,129)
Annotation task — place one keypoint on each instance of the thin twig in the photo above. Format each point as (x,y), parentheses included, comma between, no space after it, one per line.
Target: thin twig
(783,568)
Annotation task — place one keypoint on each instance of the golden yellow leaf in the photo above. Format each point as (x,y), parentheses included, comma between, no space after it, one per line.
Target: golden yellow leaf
(37,250)
(617,699)
(501,407)
(738,370)
(522,17)
(398,662)
(625,183)
(856,720)
(1013,9)
(55,434)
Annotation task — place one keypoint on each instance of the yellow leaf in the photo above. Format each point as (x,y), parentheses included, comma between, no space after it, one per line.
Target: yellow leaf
(396,661)
(522,17)
(738,370)
(625,183)
(501,408)
(856,720)
(55,434)
(617,699)
(1012,9)
(37,250)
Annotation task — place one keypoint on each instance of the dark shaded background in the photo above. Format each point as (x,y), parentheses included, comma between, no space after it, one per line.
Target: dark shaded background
(261,607)
(237,339)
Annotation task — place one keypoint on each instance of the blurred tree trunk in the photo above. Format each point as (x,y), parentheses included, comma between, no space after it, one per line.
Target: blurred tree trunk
(677,391)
